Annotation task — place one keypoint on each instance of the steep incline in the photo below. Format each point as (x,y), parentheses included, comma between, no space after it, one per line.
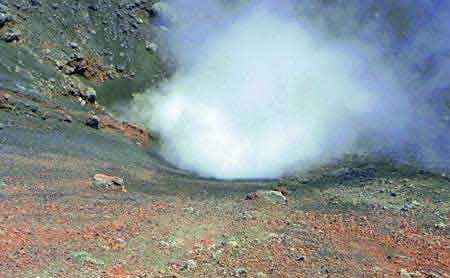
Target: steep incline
(57,59)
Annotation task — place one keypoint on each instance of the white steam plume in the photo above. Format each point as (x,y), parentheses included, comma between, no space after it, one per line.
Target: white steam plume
(258,94)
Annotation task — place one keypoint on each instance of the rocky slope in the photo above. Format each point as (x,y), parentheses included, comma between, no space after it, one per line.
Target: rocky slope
(59,60)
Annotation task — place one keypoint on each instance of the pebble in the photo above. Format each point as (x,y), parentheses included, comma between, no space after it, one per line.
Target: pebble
(35,3)
(77,57)
(121,242)
(151,46)
(240,271)
(231,242)
(74,45)
(189,210)
(69,70)
(67,119)
(120,68)
(301,258)
(405,208)
(59,64)
(189,264)
(440,225)
(94,7)
(46,116)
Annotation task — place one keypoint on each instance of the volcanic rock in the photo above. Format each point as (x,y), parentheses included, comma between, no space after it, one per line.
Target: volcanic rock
(272,196)
(102,180)
(74,45)
(11,37)
(241,272)
(4,18)
(93,121)
(35,3)
(282,189)
(91,95)
(151,46)
(94,7)
(67,119)
(301,258)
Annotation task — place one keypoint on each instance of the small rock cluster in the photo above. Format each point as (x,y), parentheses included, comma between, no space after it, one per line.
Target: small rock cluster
(6,17)
(11,37)
(89,94)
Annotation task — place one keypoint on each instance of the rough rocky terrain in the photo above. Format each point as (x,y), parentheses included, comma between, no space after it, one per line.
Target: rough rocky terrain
(62,62)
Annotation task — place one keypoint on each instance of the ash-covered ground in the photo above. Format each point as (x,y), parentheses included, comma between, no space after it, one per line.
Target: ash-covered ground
(85,194)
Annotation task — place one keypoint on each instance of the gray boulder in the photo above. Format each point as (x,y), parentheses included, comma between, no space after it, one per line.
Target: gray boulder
(271,196)
(93,121)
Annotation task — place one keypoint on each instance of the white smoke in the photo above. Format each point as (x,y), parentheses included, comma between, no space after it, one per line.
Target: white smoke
(258,94)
